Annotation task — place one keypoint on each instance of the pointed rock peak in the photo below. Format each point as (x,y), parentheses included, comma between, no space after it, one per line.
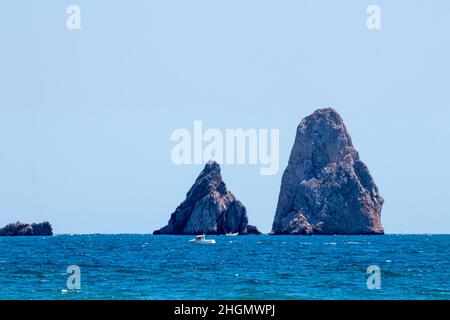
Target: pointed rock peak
(209,208)
(211,167)
(212,163)
(210,178)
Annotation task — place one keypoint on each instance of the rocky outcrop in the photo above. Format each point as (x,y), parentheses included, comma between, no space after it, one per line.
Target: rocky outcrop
(209,208)
(24,229)
(326,188)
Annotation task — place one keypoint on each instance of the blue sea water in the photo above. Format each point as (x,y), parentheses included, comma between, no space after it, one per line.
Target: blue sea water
(243,267)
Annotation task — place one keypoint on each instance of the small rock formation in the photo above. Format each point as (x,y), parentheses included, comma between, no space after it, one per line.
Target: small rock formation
(209,208)
(326,188)
(24,229)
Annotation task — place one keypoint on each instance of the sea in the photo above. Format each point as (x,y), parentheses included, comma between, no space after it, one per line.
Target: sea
(235,267)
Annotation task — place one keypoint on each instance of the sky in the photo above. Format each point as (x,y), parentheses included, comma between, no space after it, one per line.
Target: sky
(86,115)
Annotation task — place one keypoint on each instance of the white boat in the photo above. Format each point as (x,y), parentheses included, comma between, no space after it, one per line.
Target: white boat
(202,240)
(232,234)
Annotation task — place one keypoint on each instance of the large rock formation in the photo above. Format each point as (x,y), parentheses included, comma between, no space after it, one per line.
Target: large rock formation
(326,188)
(209,208)
(24,229)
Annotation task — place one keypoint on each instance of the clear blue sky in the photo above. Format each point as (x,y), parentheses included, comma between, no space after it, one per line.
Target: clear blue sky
(86,116)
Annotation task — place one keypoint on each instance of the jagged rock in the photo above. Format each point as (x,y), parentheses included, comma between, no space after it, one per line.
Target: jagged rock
(326,188)
(209,208)
(24,229)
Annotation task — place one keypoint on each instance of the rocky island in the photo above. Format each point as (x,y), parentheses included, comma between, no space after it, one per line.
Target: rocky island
(326,188)
(209,208)
(24,229)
